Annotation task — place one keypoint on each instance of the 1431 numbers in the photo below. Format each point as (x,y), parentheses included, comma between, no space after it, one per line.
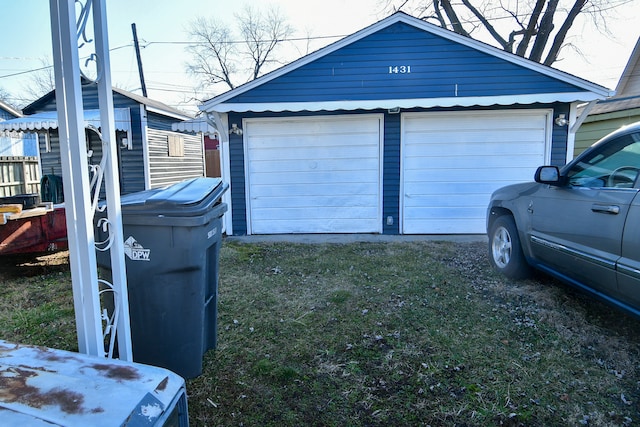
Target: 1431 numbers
(399,69)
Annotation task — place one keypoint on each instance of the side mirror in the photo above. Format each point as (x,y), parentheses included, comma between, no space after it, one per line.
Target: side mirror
(548,175)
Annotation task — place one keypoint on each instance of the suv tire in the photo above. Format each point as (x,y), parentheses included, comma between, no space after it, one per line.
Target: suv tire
(505,251)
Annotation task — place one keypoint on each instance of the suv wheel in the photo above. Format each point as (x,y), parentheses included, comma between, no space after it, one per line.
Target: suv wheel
(505,252)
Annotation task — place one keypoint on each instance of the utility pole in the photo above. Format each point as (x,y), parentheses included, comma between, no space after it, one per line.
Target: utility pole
(137,45)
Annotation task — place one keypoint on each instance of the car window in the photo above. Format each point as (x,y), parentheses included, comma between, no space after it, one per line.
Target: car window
(614,164)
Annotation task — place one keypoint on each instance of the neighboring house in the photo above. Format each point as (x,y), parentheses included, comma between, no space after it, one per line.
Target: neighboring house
(150,155)
(19,171)
(15,143)
(615,112)
(400,128)
(8,112)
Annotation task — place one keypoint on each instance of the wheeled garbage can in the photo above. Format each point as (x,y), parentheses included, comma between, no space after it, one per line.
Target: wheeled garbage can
(172,239)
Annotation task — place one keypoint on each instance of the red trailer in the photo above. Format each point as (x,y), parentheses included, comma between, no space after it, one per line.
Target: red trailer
(37,229)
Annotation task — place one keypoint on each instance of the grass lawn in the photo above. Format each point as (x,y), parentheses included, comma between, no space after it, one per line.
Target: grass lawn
(381,334)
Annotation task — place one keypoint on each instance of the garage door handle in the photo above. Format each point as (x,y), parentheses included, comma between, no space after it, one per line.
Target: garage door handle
(608,209)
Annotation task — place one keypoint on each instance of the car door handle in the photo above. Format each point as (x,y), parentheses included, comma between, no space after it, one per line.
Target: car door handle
(608,209)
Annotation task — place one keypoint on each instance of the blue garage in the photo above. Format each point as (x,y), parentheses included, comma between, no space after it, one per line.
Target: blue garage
(400,128)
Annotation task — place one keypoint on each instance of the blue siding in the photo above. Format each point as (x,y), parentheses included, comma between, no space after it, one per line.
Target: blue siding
(132,161)
(438,68)
(559,137)
(391,174)
(238,199)
(160,122)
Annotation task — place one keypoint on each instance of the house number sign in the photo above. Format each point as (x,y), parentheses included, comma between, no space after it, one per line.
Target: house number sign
(399,69)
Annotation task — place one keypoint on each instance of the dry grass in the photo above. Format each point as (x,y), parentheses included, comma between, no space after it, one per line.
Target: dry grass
(378,334)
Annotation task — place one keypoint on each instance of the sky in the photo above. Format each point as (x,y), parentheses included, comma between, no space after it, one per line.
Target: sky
(162,26)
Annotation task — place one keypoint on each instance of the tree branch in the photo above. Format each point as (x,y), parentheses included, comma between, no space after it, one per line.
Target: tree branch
(453,17)
(558,41)
(531,29)
(487,25)
(544,31)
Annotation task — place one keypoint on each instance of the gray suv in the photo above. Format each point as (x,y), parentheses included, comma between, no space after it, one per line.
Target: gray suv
(580,223)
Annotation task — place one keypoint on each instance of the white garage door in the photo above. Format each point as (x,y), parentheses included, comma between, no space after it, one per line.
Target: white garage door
(314,175)
(452,162)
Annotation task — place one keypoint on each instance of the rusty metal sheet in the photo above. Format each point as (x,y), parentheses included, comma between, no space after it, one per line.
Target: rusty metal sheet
(44,386)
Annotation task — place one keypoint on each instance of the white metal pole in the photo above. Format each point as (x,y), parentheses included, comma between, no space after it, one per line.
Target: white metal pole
(111,180)
(82,256)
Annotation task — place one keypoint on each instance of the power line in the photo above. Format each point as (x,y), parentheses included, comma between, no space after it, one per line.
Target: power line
(181,42)
(46,67)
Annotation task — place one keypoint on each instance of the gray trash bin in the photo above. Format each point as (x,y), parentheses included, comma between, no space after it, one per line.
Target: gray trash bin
(172,242)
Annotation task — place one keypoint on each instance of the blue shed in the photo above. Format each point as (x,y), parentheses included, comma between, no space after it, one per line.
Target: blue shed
(400,128)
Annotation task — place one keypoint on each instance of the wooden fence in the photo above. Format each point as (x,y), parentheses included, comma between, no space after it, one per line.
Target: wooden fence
(19,175)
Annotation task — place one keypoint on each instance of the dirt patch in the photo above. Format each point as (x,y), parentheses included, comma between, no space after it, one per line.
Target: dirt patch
(30,265)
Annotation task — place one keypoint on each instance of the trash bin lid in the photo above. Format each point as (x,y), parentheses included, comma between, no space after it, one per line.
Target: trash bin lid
(192,197)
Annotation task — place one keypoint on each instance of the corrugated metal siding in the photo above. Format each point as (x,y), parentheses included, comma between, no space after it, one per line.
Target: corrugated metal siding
(166,170)
(50,162)
(438,68)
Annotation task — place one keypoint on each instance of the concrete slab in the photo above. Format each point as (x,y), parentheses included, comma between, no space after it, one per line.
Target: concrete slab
(354,238)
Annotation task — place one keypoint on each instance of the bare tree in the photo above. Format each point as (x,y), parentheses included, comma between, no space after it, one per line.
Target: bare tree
(41,81)
(222,56)
(534,29)
(6,97)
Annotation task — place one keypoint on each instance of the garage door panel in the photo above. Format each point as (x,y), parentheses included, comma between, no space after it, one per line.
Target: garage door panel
(452,188)
(448,213)
(297,226)
(317,165)
(446,226)
(428,149)
(317,203)
(314,175)
(298,190)
(337,212)
(306,127)
(477,121)
(369,150)
(432,178)
(471,162)
(337,177)
(462,136)
(453,201)
(452,162)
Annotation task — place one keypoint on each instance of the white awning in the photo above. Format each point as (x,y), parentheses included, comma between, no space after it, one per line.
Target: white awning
(199,124)
(49,120)
(375,104)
